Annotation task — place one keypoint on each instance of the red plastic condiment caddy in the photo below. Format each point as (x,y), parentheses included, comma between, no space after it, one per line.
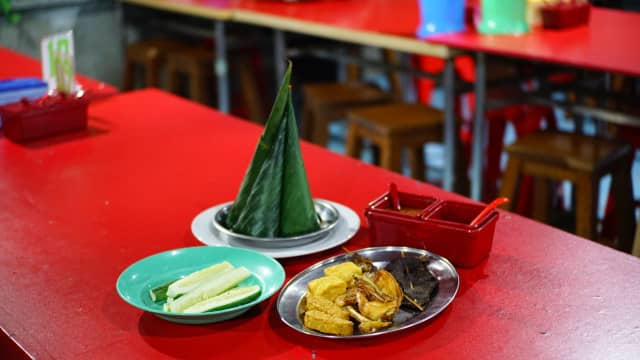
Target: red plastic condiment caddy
(442,227)
(565,15)
(49,115)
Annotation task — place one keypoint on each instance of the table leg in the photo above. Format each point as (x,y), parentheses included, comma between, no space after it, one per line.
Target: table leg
(479,138)
(221,68)
(279,54)
(449,125)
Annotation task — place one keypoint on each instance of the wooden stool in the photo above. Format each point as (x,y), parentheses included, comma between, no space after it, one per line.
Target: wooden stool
(327,102)
(196,63)
(394,127)
(582,160)
(149,55)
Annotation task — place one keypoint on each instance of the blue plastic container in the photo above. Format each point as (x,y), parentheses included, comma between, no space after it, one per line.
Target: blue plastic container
(13,90)
(440,16)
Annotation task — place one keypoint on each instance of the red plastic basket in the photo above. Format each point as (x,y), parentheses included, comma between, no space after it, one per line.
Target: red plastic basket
(49,115)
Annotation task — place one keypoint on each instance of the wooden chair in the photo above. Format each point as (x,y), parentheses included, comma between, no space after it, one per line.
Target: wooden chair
(150,56)
(394,128)
(327,102)
(582,160)
(195,63)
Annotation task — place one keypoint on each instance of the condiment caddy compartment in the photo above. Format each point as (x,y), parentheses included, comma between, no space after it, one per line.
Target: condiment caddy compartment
(49,115)
(439,226)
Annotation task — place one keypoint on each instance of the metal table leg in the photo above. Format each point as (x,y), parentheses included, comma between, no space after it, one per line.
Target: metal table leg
(449,126)
(221,68)
(479,132)
(279,54)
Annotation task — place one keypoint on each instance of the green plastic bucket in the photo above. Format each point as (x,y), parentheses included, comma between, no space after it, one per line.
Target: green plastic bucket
(504,17)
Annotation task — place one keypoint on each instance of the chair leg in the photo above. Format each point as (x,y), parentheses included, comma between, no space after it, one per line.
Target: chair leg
(391,156)
(541,192)
(586,206)
(510,180)
(416,162)
(320,129)
(129,76)
(250,93)
(173,79)
(623,200)
(151,73)
(354,142)
(307,121)
(197,90)
(636,242)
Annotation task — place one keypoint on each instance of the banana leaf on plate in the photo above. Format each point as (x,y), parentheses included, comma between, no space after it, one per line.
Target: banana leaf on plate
(274,198)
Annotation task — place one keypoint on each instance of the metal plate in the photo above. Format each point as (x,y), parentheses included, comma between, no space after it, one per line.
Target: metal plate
(327,214)
(448,282)
(347,226)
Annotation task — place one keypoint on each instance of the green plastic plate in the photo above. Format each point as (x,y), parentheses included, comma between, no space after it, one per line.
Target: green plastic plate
(134,283)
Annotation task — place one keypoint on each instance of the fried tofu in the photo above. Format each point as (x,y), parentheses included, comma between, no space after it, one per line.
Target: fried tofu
(325,323)
(344,271)
(325,305)
(329,287)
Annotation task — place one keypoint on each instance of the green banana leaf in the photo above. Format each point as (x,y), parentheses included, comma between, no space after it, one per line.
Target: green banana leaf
(274,198)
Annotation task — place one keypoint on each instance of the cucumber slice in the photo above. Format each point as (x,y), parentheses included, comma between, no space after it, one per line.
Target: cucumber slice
(234,297)
(209,288)
(159,292)
(194,279)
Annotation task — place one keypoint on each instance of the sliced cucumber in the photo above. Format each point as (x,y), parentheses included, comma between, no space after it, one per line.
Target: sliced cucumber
(159,292)
(209,288)
(194,279)
(234,297)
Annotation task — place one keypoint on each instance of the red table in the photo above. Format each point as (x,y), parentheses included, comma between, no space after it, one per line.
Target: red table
(77,209)
(16,65)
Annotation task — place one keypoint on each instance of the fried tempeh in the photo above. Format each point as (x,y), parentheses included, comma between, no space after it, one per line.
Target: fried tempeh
(324,305)
(325,323)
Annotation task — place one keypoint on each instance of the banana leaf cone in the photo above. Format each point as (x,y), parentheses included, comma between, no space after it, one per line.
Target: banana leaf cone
(274,198)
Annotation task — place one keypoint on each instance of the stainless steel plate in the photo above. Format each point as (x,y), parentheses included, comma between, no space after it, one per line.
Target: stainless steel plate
(448,281)
(327,214)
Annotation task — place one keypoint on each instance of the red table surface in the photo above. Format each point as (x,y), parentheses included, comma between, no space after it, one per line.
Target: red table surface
(77,209)
(602,44)
(379,16)
(14,65)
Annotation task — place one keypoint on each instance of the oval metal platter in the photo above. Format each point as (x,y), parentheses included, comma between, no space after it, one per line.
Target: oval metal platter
(288,303)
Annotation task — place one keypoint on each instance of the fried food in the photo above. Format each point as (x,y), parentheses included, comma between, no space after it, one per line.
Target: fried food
(416,280)
(344,271)
(326,306)
(325,323)
(380,298)
(329,287)
(351,291)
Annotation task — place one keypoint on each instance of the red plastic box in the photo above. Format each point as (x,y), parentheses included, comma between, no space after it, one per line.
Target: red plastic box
(441,227)
(49,115)
(565,15)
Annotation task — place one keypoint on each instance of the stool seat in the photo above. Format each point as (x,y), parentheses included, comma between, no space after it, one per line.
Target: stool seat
(570,151)
(398,118)
(326,102)
(394,128)
(583,160)
(343,94)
